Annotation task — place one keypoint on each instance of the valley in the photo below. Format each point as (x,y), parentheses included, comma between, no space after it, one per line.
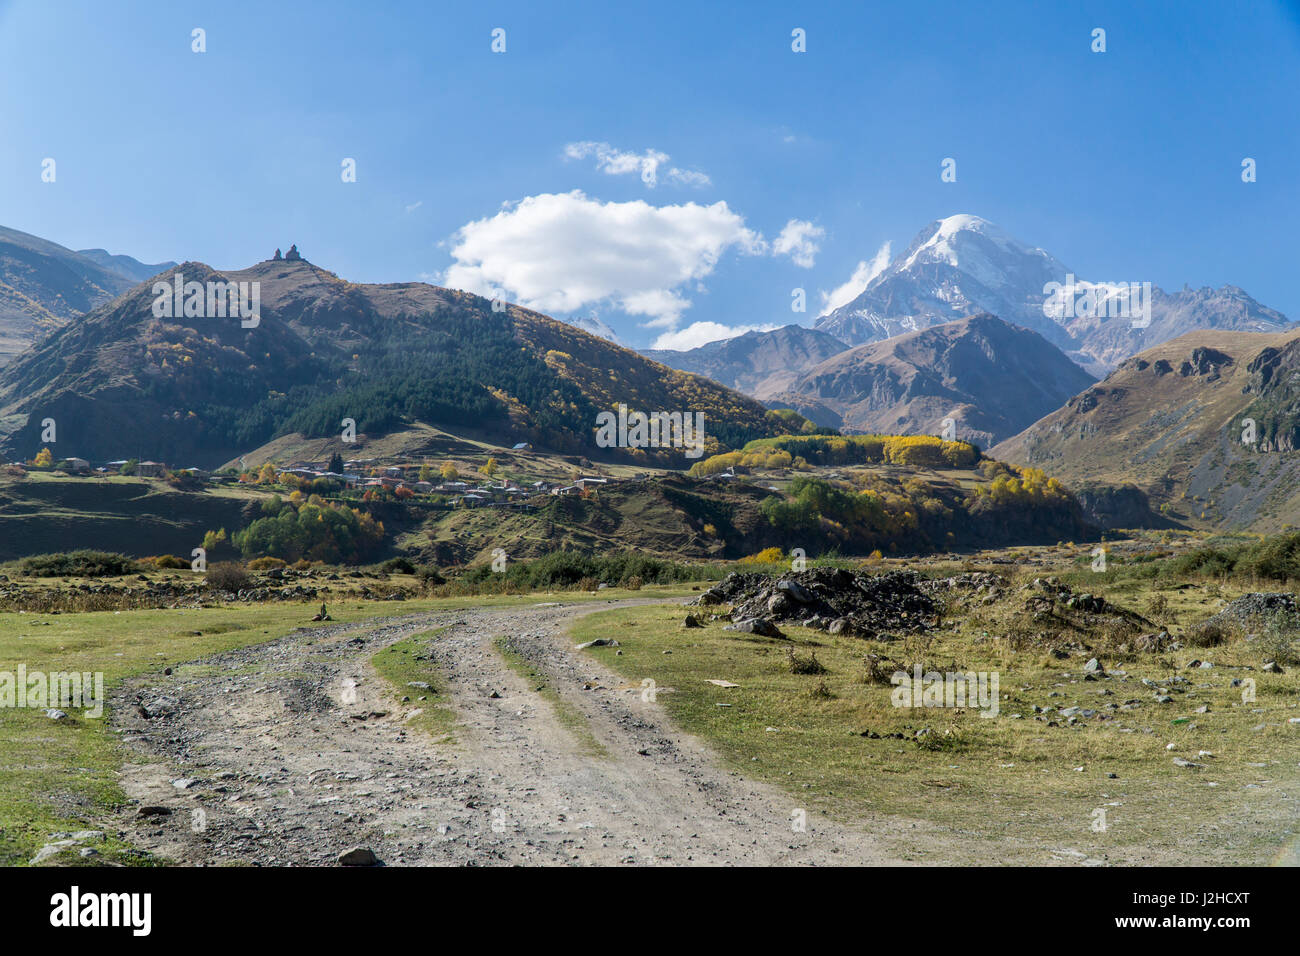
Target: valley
(458,584)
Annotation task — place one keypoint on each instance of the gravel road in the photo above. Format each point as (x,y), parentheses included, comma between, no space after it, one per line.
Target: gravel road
(293,751)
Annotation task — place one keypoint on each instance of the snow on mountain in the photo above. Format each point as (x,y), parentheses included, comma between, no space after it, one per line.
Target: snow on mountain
(964,265)
(593,326)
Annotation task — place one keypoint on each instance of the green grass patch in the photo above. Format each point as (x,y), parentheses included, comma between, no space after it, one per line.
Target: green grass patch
(408,661)
(1010,788)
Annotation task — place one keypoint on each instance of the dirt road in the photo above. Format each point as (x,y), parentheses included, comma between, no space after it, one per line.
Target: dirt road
(294,751)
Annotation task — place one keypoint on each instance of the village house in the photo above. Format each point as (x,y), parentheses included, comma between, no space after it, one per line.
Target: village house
(151,469)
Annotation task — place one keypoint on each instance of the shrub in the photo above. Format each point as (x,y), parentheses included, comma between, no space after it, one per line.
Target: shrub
(588,584)
(633,583)
(567,569)
(1207,634)
(398,566)
(170,562)
(804,665)
(821,692)
(1276,641)
(879,670)
(951,739)
(264,564)
(85,564)
(228,576)
(430,576)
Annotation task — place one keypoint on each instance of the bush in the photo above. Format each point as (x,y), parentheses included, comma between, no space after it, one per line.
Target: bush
(264,564)
(228,576)
(1207,634)
(879,670)
(567,569)
(84,564)
(1276,641)
(633,583)
(170,562)
(952,739)
(398,566)
(805,665)
(430,576)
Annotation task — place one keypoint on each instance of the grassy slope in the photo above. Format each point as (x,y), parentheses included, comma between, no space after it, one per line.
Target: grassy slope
(45,513)
(1007,788)
(1175,436)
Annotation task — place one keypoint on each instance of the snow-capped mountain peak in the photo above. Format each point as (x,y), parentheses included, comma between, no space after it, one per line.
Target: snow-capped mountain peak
(964,264)
(955,267)
(594,326)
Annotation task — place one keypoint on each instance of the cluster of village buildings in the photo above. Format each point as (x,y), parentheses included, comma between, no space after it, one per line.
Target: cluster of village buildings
(364,474)
(143,469)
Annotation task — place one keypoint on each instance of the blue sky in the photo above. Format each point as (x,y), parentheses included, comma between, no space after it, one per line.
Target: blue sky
(1125,165)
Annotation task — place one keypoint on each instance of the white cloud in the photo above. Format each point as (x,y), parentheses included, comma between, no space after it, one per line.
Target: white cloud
(797,240)
(688,177)
(702,333)
(618,162)
(862,276)
(560,252)
(414,206)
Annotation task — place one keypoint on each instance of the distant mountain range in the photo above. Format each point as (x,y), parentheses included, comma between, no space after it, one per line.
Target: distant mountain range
(955,328)
(994,378)
(44,284)
(123,382)
(963,265)
(126,266)
(990,378)
(1173,420)
(761,364)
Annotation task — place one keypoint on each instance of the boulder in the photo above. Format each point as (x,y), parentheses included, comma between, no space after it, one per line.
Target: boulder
(358,856)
